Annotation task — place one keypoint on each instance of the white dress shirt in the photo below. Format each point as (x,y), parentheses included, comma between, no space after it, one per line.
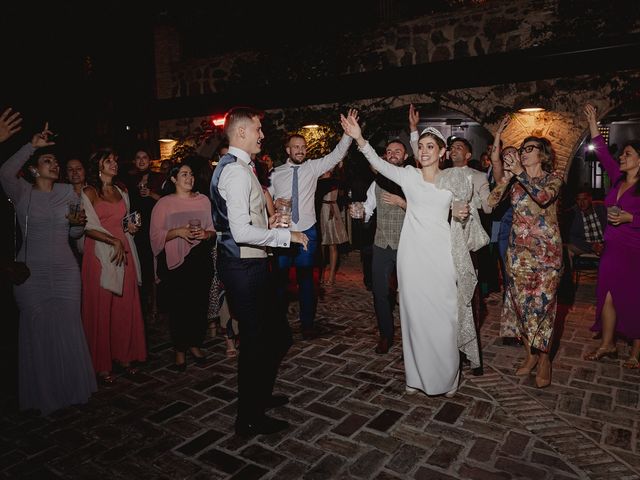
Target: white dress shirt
(235,188)
(308,173)
(370,203)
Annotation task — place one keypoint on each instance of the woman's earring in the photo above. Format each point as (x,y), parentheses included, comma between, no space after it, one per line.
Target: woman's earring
(34,172)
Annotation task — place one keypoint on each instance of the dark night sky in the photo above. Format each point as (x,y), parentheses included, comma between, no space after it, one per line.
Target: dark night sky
(45,74)
(46,47)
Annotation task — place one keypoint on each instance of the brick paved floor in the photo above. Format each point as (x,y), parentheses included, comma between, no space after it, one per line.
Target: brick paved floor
(349,412)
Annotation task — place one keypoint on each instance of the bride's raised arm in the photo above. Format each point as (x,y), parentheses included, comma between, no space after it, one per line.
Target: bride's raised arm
(392,172)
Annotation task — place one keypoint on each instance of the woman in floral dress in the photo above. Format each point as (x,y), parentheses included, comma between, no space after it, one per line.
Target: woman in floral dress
(534,256)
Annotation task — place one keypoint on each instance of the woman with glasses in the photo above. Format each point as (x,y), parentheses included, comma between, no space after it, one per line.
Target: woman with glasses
(618,299)
(534,255)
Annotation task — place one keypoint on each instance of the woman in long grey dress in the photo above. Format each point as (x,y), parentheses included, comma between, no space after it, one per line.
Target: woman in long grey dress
(54,364)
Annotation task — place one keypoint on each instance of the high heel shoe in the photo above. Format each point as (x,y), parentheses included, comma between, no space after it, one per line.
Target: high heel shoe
(106,378)
(601,353)
(631,363)
(543,381)
(126,369)
(200,359)
(527,366)
(180,366)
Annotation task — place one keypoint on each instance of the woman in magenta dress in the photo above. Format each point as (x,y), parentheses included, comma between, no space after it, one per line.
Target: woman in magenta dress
(111,311)
(618,307)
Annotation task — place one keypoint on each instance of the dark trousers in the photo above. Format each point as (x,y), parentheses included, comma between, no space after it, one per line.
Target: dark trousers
(188,297)
(384,300)
(266,336)
(363,235)
(304,261)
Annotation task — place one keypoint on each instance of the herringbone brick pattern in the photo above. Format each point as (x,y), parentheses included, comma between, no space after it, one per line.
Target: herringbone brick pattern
(350,415)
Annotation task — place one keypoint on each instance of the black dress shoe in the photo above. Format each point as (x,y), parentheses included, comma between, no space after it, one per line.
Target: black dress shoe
(265,426)
(383,345)
(276,401)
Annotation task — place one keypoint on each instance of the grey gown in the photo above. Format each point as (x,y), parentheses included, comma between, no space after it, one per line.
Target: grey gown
(55,367)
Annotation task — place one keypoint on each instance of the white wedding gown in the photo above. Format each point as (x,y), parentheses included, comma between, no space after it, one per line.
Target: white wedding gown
(426,281)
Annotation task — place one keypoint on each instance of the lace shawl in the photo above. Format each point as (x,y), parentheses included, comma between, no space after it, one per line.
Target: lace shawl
(464,237)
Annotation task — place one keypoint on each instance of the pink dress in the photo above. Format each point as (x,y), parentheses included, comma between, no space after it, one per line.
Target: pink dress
(113,324)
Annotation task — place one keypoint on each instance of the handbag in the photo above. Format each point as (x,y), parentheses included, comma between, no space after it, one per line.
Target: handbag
(477,236)
(18,272)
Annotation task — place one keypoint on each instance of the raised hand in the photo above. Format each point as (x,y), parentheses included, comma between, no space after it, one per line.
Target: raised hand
(9,124)
(350,126)
(503,124)
(41,139)
(414,118)
(512,163)
(591,114)
(353,113)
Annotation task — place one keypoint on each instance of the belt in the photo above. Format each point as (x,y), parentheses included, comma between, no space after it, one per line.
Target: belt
(329,201)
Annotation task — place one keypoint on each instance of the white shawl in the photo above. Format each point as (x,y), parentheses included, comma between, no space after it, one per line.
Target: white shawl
(112,275)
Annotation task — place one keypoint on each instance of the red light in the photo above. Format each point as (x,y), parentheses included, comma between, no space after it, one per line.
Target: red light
(218,121)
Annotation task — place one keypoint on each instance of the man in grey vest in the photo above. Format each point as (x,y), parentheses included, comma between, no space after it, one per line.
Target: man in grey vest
(387,199)
(242,226)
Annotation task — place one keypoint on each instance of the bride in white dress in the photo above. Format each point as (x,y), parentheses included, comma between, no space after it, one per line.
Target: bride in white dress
(427,274)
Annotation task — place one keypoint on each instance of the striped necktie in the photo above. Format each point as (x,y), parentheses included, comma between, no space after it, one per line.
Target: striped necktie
(295,214)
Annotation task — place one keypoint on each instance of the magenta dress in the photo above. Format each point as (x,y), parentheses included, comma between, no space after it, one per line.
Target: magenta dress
(113,324)
(620,260)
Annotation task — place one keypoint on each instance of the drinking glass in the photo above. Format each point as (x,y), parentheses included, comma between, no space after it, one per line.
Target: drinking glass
(285,201)
(456,206)
(613,210)
(194,225)
(284,216)
(74,211)
(356,210)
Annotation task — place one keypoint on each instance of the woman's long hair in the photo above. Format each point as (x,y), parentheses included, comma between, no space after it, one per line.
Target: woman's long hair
(93,170)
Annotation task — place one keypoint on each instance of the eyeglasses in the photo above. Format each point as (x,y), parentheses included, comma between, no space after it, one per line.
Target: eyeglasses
(528,148)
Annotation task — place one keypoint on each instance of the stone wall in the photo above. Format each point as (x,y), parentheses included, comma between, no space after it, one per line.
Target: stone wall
(562,122)
(492,27)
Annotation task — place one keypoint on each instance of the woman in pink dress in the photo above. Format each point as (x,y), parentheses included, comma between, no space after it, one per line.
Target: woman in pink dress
(111,311)
(618,307)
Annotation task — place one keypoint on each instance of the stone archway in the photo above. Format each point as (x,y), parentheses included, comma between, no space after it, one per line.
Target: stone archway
(562,121)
